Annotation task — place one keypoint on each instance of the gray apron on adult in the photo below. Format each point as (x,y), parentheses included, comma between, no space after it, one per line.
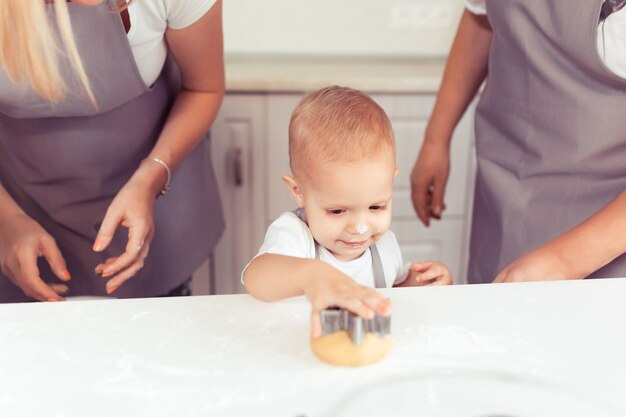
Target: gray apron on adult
(63,164)
(377,265)
(550,132)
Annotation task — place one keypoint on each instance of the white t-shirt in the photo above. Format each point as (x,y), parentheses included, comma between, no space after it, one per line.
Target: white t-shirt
(148,21)
(288,235)
(611,37)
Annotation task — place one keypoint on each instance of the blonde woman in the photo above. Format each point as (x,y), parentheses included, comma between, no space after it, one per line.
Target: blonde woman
(104,107)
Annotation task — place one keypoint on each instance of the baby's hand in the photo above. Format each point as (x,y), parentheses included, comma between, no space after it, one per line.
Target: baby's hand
(429,273)
(337,289)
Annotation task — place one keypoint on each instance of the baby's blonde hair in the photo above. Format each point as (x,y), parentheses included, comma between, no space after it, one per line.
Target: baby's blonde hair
(29,53)
(338,124)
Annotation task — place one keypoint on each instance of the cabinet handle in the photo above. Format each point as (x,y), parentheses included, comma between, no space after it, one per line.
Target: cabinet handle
(238,167)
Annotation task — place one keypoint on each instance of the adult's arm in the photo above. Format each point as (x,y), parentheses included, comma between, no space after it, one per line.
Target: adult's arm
(578,252)
(465,71)
(198,51)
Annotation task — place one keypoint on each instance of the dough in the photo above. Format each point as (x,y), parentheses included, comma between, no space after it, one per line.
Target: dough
(337,349)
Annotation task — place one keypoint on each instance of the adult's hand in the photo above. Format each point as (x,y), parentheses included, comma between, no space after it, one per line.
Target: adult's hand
(465,71)
(132,208)
(539,265)
(429,178)
(22,241)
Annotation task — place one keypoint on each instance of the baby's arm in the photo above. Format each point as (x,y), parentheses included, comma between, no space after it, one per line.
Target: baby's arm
(427,273)
(272,277)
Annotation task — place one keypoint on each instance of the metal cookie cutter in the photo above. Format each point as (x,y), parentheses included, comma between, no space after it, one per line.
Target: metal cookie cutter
(335,319)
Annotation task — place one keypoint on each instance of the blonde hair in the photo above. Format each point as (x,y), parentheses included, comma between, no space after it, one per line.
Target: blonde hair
(338,124)
(29,53)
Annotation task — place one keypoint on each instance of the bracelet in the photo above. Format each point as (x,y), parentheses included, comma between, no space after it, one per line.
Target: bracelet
(166,187)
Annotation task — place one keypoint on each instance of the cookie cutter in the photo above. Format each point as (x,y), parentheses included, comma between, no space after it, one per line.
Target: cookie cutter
(335,319)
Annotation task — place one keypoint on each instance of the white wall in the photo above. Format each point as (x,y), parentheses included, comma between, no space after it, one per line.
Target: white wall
(416,28)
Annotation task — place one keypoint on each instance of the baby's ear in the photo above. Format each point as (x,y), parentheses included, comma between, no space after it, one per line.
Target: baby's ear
(291,183)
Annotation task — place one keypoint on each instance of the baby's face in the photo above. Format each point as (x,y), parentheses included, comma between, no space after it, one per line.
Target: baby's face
(348,205)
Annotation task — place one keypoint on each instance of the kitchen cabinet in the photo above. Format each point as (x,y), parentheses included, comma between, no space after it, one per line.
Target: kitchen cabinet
(238,152)
(250,154)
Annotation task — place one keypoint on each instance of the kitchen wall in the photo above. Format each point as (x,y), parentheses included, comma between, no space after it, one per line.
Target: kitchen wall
(385,28)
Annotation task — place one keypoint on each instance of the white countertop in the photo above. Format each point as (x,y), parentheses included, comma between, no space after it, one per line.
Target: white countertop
(300,74)
(235,356)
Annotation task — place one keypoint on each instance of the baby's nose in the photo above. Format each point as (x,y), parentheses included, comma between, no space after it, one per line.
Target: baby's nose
(361,229)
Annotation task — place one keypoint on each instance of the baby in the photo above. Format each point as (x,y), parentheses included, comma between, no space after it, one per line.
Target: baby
(337,246)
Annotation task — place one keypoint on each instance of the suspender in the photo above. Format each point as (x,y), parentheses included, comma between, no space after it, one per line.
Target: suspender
(377,265)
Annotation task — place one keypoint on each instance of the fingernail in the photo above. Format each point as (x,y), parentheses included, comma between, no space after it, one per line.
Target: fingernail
(112,289)
(52,300)
(97,246)
(66,274)
(437,211)
(385,308)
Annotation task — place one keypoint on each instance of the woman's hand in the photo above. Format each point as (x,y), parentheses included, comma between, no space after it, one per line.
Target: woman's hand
(428,273)
(538,265)
(22,241)
(337,289)
(465,71)
(133,208)
(429,178)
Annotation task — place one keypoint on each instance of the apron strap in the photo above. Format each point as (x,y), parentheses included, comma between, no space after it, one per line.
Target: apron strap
(377,267)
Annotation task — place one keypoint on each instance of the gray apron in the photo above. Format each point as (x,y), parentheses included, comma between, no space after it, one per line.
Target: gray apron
(64,163)
(550,132)
(377,265)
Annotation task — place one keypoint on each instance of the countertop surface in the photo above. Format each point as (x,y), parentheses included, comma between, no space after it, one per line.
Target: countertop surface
(235,356)
(298,74)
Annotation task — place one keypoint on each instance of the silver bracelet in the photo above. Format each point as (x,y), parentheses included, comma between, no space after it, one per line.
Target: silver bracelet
(166,187)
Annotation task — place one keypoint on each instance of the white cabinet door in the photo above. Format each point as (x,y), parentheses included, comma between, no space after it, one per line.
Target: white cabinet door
(239,156)
(409,116)
(445,240)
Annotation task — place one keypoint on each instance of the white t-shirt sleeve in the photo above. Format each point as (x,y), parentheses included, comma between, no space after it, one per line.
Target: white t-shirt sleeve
(476,6)
(287,235)
(183,13)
